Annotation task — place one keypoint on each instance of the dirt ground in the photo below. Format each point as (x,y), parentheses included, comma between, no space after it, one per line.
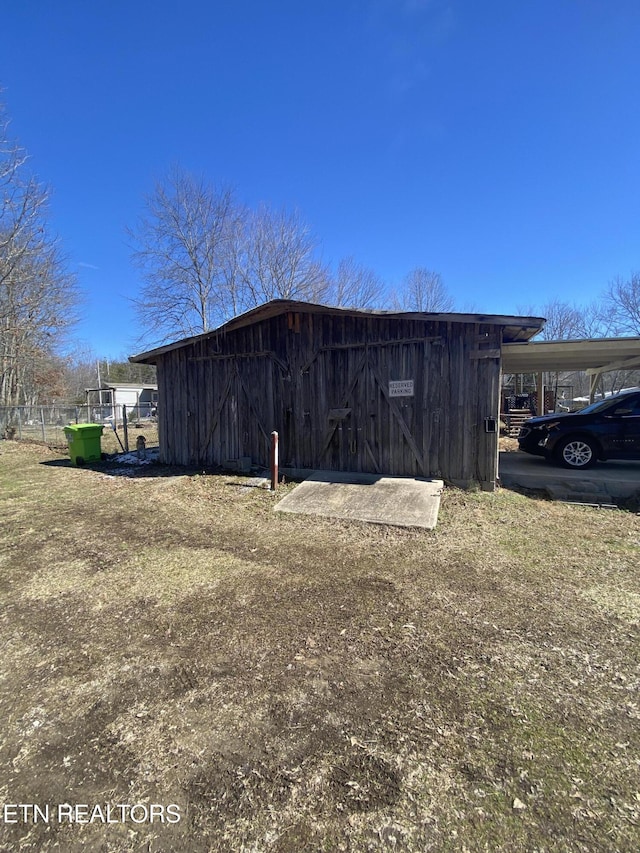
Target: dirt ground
(286,683)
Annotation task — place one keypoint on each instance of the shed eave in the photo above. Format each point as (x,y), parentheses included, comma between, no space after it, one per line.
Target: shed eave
(516,328)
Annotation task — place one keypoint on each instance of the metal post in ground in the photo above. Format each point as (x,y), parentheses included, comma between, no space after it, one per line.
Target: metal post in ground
(44,438)
(274,461)
(125,428)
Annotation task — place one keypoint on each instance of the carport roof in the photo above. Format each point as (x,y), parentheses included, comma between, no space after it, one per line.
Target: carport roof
(593,355)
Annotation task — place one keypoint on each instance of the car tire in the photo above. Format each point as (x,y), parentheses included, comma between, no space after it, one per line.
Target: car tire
(577,453)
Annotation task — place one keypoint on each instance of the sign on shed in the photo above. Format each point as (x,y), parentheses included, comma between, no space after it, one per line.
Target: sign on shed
(401,388)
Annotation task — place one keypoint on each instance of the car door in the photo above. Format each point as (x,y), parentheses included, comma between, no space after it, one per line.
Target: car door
(629,415)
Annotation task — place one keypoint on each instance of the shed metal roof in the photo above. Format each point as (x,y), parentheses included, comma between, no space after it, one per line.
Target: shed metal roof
(132,386)
(516,328)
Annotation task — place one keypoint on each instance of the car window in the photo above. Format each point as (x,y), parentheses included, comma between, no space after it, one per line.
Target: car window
(631,404)
(600,406)
(613,403)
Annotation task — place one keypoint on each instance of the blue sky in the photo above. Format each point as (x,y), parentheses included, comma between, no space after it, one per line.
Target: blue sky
(495,142)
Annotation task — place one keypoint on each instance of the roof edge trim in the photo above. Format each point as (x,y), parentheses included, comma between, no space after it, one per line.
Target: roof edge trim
(528,325)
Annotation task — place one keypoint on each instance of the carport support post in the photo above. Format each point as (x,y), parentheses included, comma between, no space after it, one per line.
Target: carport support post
(540,406)
(274,461)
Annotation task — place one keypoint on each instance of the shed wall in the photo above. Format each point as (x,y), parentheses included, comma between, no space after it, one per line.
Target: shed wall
(322,382)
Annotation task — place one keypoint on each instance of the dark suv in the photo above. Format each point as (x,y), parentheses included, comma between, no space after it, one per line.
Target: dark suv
(608,429)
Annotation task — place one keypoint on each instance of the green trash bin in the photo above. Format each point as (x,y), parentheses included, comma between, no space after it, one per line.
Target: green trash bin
(84,442)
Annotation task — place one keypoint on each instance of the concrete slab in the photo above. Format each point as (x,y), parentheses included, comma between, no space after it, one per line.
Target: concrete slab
(607,482)
(400,501)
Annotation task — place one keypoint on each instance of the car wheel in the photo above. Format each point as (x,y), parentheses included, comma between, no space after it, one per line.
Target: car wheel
(577,453)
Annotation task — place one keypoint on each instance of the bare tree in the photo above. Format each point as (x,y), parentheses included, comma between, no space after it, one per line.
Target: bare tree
(206,258)
(595,321)
(183,247)
(79,373)
(623,299)
(38,295)
(279,259)
(566,321)
(355,286)
(563,320)
(423,290)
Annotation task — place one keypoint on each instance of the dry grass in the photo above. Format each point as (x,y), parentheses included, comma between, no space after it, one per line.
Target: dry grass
(55,438)
(302,684)
(508,444)
(109,443)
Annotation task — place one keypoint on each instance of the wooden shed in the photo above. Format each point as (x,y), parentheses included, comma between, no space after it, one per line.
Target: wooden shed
(411,394)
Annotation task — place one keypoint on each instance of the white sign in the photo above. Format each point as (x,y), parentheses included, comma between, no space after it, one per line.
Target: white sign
(401,388)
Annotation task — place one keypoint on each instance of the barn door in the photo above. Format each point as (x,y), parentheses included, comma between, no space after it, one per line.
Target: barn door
(238,410)
(369,408)
(253,391)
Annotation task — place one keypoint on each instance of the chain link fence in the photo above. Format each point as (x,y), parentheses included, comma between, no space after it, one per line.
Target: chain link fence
(47,423)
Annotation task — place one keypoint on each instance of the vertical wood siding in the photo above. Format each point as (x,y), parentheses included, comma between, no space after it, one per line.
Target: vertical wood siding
(322,382)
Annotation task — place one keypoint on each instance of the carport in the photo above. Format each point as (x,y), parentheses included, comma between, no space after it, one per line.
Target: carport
(593,355)
(612,482)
